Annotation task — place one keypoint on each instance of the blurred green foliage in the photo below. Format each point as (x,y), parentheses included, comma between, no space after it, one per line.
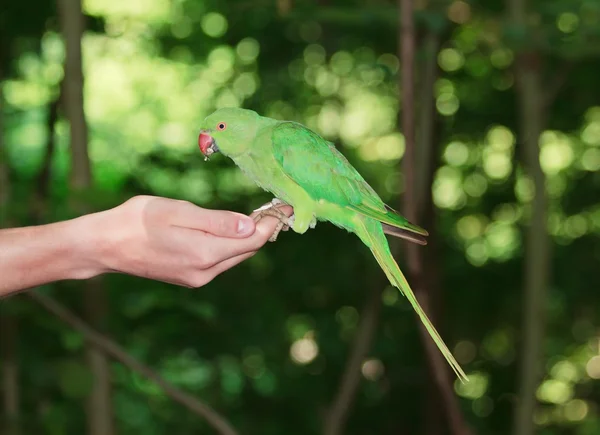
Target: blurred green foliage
(266,342)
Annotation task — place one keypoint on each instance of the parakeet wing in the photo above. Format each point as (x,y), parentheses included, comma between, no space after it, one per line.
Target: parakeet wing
(324,173)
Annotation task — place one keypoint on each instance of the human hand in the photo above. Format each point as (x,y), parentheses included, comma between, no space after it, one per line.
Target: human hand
(173,241)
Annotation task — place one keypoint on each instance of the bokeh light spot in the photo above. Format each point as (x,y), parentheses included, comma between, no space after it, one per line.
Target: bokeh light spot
(565,370)
(471,226)
(390,61)
(245,85)
(304,350)
(248,50)
(524,188)
(590,159)
(310,31)
(314,54)
(498,346)
(214,24)
(475,185)
(500,138)
(447,104)
(556,152)
(450,59)
(372,369)
(342,63)
(501,58)
(447,189)
(593,367)
(567,22)
(475,388)
(456,153)
(497,165)
(576,410)
(483,406)
(390,147)
(591,133)
(555,391)
(390,296)
(459,12)
(477,253)
(465,351)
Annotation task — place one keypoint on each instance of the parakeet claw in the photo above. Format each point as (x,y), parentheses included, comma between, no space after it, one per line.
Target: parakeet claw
(272,209)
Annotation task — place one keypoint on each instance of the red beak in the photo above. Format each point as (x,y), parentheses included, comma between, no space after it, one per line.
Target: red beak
(206,143)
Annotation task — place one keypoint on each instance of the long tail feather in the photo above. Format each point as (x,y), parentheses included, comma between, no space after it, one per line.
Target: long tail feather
(373,236)
(392,219)
(404,234)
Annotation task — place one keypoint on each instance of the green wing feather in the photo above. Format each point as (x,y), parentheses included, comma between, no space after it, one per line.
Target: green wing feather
(324,173)
(320,169)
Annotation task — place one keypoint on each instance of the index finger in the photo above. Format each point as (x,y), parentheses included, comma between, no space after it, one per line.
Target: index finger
(223,248)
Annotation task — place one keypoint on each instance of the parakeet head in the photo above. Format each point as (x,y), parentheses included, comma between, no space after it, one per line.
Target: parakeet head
(229,131)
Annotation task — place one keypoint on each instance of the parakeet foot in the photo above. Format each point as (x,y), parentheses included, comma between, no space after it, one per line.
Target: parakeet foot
(274,203)
(272,209)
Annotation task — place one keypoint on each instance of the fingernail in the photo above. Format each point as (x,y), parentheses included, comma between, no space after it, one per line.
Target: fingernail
(245,226)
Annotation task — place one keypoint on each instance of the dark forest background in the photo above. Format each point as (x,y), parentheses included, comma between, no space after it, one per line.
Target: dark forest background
(479,119)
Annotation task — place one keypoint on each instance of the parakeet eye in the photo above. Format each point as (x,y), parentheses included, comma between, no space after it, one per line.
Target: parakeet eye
(221,126)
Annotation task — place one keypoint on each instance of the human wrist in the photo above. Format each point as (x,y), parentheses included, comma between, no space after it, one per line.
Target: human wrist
(85,238)
(36,255)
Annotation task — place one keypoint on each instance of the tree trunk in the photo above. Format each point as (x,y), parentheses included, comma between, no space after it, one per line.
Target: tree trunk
(417,200)
(9,376)
(426,149)
(72,25)
(4,180)
(537,247)
(531,107)
(537,259)
(99,405)
(337,415)
(406,46)
(42,185)
(99,409)
(10,372)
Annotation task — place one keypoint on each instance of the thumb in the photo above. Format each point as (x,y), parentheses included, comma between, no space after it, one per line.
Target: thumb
(220,223)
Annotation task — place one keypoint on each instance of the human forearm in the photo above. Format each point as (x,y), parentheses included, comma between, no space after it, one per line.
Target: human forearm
(157,238)
(37,255)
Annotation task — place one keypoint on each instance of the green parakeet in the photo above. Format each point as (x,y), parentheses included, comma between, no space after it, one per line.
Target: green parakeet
(307,172)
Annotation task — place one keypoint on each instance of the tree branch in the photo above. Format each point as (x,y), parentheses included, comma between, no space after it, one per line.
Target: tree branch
(117,352)
(337,414)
